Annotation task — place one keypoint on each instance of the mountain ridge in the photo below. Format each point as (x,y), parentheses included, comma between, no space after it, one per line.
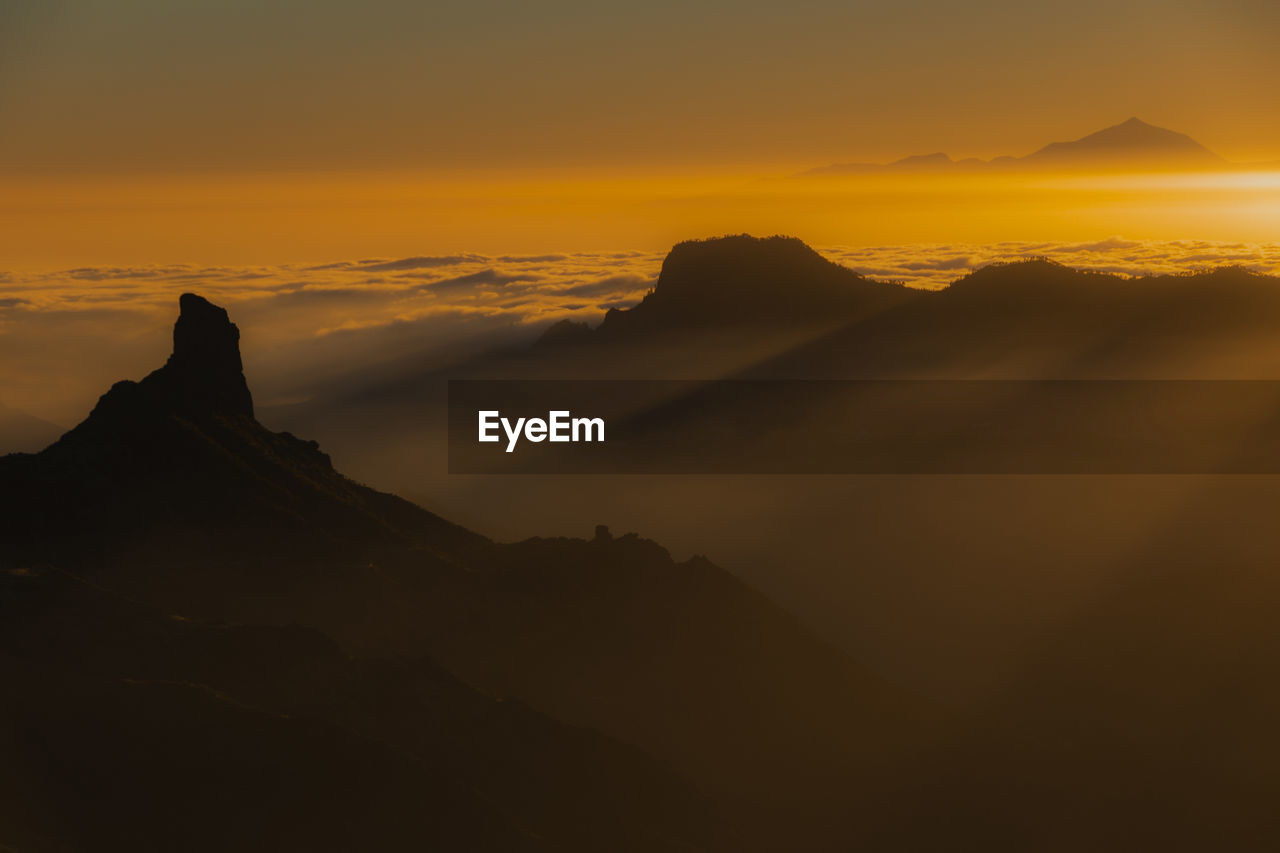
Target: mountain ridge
(168,507)
(739,284)
(741,280)
(1131,145)
(1132,141)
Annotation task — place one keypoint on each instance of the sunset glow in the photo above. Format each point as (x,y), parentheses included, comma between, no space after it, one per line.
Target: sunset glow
(47,224)
(734,426)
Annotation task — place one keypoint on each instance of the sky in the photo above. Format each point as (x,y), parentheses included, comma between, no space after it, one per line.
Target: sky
(280,131)
(123,86)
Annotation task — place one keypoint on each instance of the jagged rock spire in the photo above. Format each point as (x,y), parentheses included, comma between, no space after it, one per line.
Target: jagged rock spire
(204,375)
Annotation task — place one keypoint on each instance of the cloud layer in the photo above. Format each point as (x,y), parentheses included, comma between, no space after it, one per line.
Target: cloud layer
(936,266)
(66,335)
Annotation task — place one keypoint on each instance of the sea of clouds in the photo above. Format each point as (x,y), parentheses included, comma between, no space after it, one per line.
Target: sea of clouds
(66,334)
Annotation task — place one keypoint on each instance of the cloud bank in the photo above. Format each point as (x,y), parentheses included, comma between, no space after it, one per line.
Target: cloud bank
(937,265)
(65,335)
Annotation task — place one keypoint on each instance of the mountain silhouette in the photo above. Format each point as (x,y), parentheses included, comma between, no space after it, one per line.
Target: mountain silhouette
(723,306)
(1131,145)
(204,374)
(1037,319)
(179,453)
(373,675)
(937,162)
(740,281)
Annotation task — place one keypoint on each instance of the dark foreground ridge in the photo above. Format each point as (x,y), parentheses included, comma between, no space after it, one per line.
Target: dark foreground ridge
(212,640)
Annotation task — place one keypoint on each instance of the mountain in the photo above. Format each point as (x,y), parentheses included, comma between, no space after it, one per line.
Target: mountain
(1036,319)
(1132,145)
(916,163)
(179,454)
(213,639)
(742,281)
(1032,318)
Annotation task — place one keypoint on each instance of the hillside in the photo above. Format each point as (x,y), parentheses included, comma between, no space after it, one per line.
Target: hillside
(170,519)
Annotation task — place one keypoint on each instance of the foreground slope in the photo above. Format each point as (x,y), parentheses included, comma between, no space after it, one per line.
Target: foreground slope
(138,716)
(171,500)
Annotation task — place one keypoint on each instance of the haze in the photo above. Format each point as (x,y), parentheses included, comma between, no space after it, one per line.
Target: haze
(284,132)
(250,86)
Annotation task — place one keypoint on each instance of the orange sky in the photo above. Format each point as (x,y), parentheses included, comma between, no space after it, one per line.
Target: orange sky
(48,224)
(279,131)
(130,86)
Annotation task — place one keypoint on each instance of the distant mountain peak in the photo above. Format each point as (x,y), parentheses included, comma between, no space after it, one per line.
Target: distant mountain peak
(1132,144)
(938,159)
(1133,140)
